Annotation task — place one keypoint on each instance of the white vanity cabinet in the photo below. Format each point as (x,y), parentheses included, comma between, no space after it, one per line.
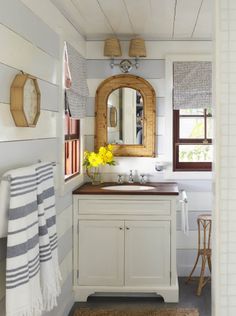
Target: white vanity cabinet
(124,252)
(147,253)
(125,243)
(101,252)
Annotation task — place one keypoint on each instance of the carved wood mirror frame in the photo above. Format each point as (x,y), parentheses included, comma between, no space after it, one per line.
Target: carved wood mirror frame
(147,149)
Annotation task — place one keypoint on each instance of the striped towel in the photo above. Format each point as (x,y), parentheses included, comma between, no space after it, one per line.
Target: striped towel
(49,267)
(32,272)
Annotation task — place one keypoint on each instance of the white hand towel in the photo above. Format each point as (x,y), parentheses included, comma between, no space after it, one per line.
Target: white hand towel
(184,213)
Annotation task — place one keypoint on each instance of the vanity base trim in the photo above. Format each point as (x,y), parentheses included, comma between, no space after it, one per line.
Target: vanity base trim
(170,294)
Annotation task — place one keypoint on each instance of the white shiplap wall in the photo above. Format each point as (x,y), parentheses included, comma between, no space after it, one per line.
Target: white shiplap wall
(31,45)
(152,69)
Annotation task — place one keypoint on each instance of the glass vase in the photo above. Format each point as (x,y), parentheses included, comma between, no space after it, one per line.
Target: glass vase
(95,176)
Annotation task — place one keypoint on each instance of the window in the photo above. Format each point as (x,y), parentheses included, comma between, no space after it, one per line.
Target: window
(72,127)
(72,147)
(192,140)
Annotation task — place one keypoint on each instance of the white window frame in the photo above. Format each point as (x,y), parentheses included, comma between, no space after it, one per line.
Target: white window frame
(168,157)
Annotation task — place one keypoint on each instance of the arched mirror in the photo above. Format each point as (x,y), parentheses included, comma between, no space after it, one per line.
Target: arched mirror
(125,116)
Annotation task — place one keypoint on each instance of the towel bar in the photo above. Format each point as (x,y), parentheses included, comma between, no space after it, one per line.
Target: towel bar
(184,197)
(8,178)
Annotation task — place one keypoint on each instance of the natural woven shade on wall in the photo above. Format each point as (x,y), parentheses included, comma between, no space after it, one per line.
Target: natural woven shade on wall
(192,85)
(77,95)
(112,47)
(137,48)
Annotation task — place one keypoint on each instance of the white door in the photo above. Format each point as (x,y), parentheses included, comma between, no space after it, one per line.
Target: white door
(101,252)
(147,253)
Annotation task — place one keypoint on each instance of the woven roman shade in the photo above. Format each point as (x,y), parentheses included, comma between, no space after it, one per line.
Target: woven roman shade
(192,85)
(77,95)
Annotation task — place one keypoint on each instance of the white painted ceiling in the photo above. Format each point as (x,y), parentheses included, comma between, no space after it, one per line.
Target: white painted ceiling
(151,19)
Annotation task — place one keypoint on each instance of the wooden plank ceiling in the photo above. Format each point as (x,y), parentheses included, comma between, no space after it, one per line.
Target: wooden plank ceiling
(151,19)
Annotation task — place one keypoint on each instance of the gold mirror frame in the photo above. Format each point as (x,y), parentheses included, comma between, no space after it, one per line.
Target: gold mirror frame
(147,149)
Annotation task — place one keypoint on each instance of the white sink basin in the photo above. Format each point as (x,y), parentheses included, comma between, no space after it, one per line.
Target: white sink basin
(128,188)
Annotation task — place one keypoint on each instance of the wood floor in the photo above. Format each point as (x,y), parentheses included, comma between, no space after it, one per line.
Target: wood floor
(188,299)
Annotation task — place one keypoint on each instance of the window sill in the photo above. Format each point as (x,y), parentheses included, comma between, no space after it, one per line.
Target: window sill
(71,184)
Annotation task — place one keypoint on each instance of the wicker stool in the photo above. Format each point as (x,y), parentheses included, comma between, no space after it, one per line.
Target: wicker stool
(204,250)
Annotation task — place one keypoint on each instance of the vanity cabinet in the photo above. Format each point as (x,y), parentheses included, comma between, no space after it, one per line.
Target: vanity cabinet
(124,243)
(147,253)
(101,252)
(120,253)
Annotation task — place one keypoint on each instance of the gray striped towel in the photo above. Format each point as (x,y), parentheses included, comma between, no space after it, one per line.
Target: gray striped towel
(32,272)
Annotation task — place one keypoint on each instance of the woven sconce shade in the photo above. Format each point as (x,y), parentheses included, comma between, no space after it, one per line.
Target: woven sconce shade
(112,47)
(137,48)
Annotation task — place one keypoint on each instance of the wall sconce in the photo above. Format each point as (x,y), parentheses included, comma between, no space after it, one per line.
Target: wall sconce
(112,49)
(136,49)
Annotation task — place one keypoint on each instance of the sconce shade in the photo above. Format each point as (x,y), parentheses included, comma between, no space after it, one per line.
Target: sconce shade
(112,47)
(137,48)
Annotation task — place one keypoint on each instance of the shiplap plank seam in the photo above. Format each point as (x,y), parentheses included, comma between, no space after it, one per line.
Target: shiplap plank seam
(29,139)
(64,244)
(30,59)
(64,221)
(46,126)
(27,40)
(34,30)
(46,10)
(18,69)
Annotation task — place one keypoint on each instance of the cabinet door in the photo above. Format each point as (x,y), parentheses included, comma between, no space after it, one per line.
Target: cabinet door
(147,253)
(101,252)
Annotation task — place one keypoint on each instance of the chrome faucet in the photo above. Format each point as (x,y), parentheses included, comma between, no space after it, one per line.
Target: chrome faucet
(131,178)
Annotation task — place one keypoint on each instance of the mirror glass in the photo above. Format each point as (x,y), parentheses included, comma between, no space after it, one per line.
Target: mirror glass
(125,117)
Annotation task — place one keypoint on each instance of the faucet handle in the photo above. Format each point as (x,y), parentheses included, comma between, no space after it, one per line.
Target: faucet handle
(120,179)
(142,179)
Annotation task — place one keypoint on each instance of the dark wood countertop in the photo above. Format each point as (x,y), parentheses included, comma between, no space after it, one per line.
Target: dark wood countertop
(160,188)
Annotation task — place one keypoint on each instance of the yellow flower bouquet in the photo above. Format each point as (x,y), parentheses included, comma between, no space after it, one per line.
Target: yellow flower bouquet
(93,160)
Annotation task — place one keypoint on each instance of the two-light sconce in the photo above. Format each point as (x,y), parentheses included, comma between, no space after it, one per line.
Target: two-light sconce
(112,49)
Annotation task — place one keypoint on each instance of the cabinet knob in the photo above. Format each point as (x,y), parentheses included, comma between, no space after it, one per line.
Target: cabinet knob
(120,228)
(127,228)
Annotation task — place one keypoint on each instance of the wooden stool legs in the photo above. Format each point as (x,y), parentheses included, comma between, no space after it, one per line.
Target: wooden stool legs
(204,221)
(209,262)
(194,267)
(202,282)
